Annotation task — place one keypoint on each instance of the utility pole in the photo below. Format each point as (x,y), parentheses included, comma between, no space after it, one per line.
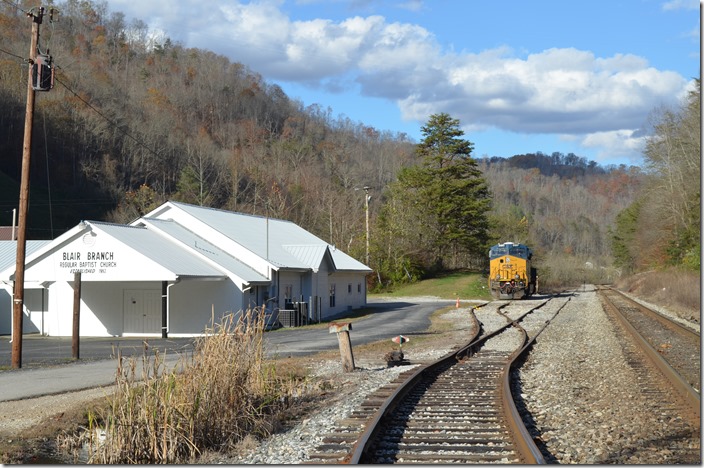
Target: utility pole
(18,296)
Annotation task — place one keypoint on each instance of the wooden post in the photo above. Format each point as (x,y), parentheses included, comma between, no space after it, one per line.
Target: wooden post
(76,314)
(164,315)
(343,338)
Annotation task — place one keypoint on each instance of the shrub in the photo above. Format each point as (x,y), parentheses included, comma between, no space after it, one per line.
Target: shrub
(209,401)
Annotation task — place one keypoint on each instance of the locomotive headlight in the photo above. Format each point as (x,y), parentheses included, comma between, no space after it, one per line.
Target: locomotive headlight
(517,276)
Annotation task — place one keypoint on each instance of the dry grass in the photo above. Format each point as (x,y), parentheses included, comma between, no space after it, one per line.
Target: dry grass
(222,393)
(295,396)
(678,290)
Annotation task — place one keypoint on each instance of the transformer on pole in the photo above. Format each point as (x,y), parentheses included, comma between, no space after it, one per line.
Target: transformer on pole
(42,73)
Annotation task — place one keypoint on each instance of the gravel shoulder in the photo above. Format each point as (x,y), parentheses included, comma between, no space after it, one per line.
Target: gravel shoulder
(21,415)
(587,399)
(577,386)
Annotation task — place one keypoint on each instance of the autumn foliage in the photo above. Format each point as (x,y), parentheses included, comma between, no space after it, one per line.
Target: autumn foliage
(136,119)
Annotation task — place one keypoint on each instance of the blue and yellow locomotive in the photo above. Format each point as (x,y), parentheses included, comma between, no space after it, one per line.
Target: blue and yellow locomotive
(511,275)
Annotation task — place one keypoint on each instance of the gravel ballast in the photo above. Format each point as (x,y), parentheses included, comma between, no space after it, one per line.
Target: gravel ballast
(576,384)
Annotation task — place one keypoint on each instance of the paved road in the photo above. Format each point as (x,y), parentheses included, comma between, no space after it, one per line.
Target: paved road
(48,367)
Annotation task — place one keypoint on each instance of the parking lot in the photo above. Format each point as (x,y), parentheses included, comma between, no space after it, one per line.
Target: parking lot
(43,351)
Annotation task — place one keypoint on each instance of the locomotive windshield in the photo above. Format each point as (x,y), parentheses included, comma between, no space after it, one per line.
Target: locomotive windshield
(508,248)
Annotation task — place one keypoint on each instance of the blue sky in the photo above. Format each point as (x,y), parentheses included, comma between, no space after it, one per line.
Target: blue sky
(545,75)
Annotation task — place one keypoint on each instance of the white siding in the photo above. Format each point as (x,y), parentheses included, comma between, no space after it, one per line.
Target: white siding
(35,306)
(346,295)
(293,279)
(5,309)
(59,320)
(102,307)
(193,303)
(320,289)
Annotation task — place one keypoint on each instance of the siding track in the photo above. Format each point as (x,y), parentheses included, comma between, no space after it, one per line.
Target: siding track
(458,409)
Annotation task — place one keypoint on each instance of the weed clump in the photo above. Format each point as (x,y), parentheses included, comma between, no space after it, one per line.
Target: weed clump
(209,401)
(674,288)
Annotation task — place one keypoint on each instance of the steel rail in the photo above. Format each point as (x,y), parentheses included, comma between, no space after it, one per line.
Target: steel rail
(688,394)
(511,413)
(668,322)
(361,446)
(524,442)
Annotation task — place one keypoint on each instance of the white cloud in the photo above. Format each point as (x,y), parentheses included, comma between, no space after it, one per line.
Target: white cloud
(411,5)
(616,144)
(602,100)
(680,5)
(554,91)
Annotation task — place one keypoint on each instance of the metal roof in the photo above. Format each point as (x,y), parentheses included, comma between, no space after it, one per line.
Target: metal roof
(8,251)
(213,253)
(343,261)
(283,243)
(160,249)
(186,254)
(308,254)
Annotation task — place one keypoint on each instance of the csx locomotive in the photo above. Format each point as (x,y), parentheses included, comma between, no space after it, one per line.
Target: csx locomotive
(511,275)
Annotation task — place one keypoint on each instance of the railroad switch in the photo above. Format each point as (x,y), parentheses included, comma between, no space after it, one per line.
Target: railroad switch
(395,358)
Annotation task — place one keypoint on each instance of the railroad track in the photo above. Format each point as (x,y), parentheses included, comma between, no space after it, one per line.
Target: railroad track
(664,372)
(674,348)
(458,409)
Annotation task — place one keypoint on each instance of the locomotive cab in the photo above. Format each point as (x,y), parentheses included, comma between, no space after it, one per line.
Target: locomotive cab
(511,275)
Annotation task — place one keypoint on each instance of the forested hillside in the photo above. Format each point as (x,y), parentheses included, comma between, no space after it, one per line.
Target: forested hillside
(133,121)
(662,226)
(562,206)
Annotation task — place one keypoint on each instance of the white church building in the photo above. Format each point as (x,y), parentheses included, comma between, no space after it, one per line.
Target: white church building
(175,270)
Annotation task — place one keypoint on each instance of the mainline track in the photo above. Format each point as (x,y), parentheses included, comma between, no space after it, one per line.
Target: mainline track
(674,350)
(458,409)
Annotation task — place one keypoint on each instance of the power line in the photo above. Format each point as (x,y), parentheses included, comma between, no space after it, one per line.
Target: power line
(68,202)
(16,6)
(89,105)
(48,172)
(14,55)
(112,122)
